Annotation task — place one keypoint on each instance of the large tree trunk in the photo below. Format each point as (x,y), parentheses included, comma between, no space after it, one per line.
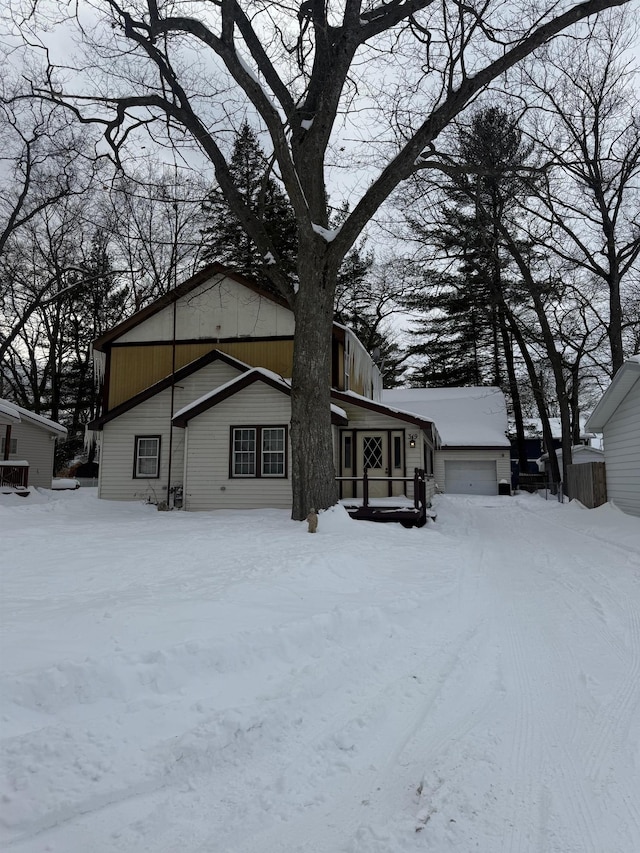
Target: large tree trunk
(313,468)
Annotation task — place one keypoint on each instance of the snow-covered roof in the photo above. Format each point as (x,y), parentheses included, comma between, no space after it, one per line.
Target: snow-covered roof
(533,428)
(621,385)
(11,413)
(577,450)
(384,408)
(465,417)
(237,383)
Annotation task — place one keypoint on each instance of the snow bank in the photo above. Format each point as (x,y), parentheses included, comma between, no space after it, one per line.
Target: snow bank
(228,682)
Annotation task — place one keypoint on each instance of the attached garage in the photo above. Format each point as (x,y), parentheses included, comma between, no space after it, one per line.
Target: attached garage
(464,477)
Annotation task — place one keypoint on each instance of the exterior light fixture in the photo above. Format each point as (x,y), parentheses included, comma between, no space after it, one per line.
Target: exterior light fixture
(412,439)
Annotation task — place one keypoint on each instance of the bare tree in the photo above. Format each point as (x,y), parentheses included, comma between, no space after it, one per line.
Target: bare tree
(155,217)
(588,125)
(394,73)
(41,165)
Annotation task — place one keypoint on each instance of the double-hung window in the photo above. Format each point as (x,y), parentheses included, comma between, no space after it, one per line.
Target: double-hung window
(147,457)
(259,451)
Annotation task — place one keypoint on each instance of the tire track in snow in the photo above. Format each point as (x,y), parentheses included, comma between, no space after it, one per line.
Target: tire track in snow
(615,719)
(524,755)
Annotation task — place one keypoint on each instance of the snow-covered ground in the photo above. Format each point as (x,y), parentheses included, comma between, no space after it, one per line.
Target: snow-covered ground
(228,683)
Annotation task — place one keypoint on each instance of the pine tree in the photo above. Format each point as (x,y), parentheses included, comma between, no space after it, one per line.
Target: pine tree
(225,240)
(464,310)
(95,306)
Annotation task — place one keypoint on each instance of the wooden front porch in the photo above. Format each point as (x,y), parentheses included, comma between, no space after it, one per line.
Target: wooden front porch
(408,513)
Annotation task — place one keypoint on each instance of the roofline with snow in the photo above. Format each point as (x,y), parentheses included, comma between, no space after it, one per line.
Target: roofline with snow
(254,374)
(167,382)
(33,418)
(621,384)
(381,408)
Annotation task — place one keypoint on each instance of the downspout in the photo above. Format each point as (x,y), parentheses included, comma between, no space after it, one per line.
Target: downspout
(173,382)
(184,469)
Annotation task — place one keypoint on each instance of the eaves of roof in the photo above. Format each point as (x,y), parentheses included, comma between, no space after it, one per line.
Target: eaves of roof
(621,385)
(167,382)
(231,388)
(172,296)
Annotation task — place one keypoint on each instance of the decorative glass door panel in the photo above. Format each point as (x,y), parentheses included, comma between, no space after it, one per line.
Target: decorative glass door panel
(373,454)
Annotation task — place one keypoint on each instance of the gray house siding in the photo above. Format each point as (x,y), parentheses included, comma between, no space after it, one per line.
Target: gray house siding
(208,484)
(152,418)
(36,446)
(622,453)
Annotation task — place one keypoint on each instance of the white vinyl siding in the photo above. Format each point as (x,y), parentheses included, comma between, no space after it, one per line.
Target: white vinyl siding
(208,482)
(221,307)
(499,456)
(622,453)
(36,446)
(152,418)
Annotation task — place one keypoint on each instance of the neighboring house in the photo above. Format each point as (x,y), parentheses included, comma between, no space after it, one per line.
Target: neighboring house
(580,455)
(27,446)
(617,417)
(473,457)
(196,403)
(534,443)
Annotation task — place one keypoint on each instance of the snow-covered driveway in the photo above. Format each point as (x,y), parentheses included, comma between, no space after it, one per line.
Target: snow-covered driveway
(226,683)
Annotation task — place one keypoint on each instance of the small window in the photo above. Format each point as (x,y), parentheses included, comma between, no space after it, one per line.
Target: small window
(13,445)
(428,460)
(147,457)
(258,451)
(347,451)
(397,451)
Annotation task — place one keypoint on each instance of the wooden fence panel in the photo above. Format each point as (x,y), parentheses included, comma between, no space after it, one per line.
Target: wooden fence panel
(587,483)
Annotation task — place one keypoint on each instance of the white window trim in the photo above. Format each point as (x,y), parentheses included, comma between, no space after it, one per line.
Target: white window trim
(137,475)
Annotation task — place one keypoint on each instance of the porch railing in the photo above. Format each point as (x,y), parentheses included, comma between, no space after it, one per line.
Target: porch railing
(14,475)
(419,485)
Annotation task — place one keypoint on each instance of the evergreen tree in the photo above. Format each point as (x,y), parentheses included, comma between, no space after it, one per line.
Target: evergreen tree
(95,306)
(463,311)
(224,237)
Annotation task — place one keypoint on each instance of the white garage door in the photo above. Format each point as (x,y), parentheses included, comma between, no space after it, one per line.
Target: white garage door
(470,478)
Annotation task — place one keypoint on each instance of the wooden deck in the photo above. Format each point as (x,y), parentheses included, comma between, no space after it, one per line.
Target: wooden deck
(408,513)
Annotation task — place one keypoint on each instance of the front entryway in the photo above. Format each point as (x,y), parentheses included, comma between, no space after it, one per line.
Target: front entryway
(373,455)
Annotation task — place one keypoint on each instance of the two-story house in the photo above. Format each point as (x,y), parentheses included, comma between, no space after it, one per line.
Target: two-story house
(196,403)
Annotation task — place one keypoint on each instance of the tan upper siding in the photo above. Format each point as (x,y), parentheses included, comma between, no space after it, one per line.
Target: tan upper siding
(37,447)
(135,368)
(152,417)
(220,308)
(208,485)
(500,457)
(622,453)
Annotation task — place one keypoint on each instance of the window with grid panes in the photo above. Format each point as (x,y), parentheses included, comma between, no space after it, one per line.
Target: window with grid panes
(273,452)
(259,452)
(244,452)
(147,461)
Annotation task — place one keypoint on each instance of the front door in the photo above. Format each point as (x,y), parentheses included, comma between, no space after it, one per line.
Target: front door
(373,456)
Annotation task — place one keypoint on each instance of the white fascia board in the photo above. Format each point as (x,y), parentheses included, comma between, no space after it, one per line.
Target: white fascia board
(621,384)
